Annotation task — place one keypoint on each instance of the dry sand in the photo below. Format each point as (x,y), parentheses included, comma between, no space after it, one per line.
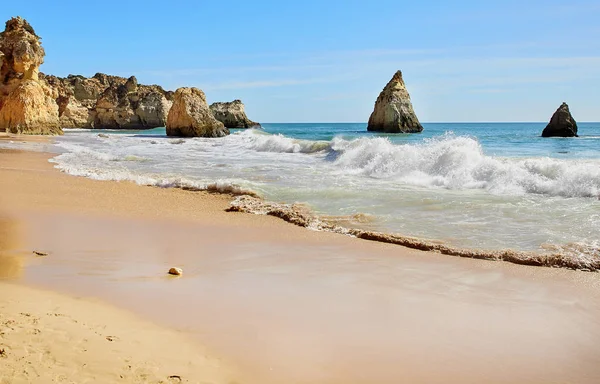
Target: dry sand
(51,338)
(278,302)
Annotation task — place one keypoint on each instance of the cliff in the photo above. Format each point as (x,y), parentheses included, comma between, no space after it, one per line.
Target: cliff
(109,102)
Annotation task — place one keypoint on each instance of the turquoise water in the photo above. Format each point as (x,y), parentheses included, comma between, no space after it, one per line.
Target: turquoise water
(497,139)
(475,185)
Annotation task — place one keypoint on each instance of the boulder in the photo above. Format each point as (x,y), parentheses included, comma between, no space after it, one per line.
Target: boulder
(26,104)
(561,124)
(176,271)
(31,110)
(232,115)
(393,111)
(190,116)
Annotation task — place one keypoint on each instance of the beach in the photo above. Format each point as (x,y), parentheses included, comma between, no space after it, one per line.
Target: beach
(261,300)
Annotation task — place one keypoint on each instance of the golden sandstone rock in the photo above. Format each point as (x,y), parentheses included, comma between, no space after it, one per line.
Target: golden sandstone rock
(109,102)
(393,112)
(190,116)
(26,105)
(232,115)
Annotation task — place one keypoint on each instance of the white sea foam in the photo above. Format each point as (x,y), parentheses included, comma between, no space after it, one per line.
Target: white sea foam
(263,142)
(459,163)
(484,201)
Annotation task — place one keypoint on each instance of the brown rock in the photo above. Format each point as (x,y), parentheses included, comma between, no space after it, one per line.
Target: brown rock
(31,110)
(176,271)
(562,124)
(26,104)
(22,50)
(190,116)
(393,111)
(232,115)
(109,102)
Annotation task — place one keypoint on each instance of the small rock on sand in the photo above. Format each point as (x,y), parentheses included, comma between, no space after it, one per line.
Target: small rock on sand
(176,271)
(39,253)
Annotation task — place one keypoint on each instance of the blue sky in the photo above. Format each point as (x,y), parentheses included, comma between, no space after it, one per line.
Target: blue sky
(326,61)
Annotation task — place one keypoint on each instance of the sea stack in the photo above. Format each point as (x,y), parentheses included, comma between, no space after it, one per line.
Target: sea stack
(393,111)
(26,104)
(190,116)
(562,123)
(232,115)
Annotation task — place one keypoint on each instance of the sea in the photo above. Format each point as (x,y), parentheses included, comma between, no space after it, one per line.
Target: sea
(484,186)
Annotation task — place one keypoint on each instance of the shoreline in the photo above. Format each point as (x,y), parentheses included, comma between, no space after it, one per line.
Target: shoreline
(567,256)
(297,215)
(317,306)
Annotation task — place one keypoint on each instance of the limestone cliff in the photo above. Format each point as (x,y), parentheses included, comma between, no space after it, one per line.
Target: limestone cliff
(26,104)
(190,116)
(232,115)
(393,112)
(562,123)
(109,102)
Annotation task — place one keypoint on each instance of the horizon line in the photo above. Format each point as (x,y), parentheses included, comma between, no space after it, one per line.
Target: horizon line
(427,122)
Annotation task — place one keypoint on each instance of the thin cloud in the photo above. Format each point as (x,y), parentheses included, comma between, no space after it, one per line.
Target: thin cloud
(260,84)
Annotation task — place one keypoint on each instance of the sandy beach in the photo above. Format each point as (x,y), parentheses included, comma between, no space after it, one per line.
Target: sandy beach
(260,301)
(51,338)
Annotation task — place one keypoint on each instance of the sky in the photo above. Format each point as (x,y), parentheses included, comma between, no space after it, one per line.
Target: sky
(326,61)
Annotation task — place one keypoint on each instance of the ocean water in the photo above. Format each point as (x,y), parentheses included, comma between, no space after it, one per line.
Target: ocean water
(475,185)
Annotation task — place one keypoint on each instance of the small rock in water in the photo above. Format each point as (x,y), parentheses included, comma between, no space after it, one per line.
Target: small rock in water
(39,253)
(104,136)
(176,271)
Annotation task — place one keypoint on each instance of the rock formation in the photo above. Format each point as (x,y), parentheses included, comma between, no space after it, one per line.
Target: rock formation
(232,115)
(109,102)
(26,104)
(190,116)
(561,124)
(393,111)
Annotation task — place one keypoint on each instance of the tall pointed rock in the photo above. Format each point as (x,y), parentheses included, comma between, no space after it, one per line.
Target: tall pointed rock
(393,111)
(562,123)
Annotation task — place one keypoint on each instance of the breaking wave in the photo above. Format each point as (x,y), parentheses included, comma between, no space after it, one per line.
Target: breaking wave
(459,163)
(264,142)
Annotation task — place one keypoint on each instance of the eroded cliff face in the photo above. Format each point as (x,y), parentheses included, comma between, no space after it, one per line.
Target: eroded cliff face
(393,112)
(27,105)
(190,116)
(109,102)
(232,115)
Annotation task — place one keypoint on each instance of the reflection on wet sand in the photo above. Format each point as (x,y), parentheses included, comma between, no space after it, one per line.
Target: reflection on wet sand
(11,263)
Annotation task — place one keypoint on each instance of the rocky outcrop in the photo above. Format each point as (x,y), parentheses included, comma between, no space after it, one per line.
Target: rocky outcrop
(393,111)
(27,105)
(109,102)
(562,124)
(232,115)
(190,116)
(29,109)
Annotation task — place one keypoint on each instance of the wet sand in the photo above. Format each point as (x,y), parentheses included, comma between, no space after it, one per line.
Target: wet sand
(287,305)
